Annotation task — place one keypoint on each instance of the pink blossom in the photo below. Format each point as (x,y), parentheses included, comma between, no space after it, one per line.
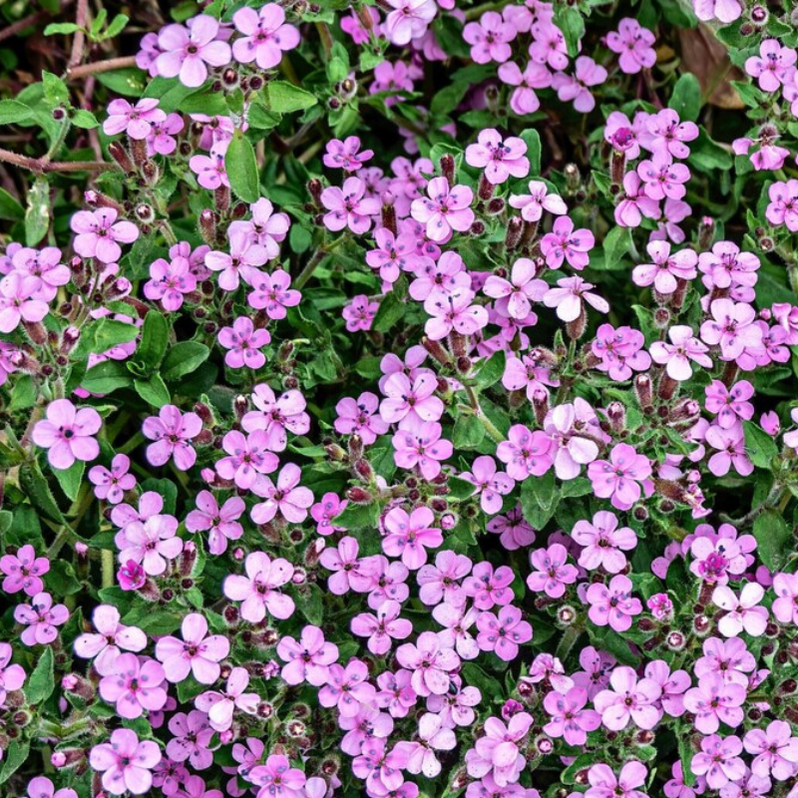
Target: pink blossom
(244,343)
(772,66)
(409,535)
(488,587)
(538,200)
(432,736)
(188,51)
(349,207)
(198,652)
(360,313)
(134,684)
(169,282)
(18,302)
(265,37)
(629,699)
(569,718)
(111,636)
(346,154)
(307,659)
(286,496)
(732,327)
(730,444)
(446,209)
(634,45)
(351,572)
(576,88)
(325,511)
(151,542)
(172,432)
(776,750)
(603,543)
(677,355)
(618,478)
(568,298)
(441,582)
(277,416)
(665,131)
(192,738)
(454,313)
(604,783)
(347,688)
(613,604)
(742,612)
(111,484)
(490,484)
(785,607)
(503,634)
(566,244)
(718,761)
(548,45)
(524,99)
(220,706)
(99,234)
(725,11)
(242,262)
(408,20)
(40,618)
(125,763)
(526,453)
(68,433)
(550,572)
(277,777)
(501,158)
(714,701)
(662,177)
(667,269)
(731,405)
(514,296)
(248,458)
(498,752)
(423,448)
(410,403)
(359,417)
(221,523)
(429,662)
(382,628)
(258,590)
(489,39)
(24,571)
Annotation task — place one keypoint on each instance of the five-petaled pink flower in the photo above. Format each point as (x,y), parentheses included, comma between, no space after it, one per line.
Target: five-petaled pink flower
(125,762)
(68,433)
(197,653)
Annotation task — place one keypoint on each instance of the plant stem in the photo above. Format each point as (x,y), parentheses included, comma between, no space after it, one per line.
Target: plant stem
(109,65)
(76,56)
(44,165)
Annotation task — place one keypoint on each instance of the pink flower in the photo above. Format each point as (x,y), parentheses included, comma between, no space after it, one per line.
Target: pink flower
(490,484)
(221,523)
(503,635)
(629,699)
(604,783)
(566,244)
(360,313)
(429,662)
(394,255)
(287,497)
(667,269)
(772,66)
(569,718)
(613,604)
(99,234)
(151,542)
(488,587)
(272,294)
(111,636)
(445,210)
(665,131)
(68,433)
(742,613)
(776,750)
(422,448)
(433,736)
(210,169)
(125,763)
(265,37)
(41,618)
(603,542)
(18,302)
(550,572)
(277,416)
(548,45)
(524,99)
(575,88)
(597,666)
(307,660)
(730,659)
(409,535)
(618,478)
(411,403)
(111,485)
(501,158)
(730,444)
(724,11)
(42,787)
(347,688)
(785,607)
(526,453)
(136,120)
(498,751)
(783,206)
(198,652)
(714,701)
(662,177)
(568,297)
(220,706)
(718,761)
(731,406)
(382,628)
(258,590)
(188,51)
(248,458)
(408,20)
(134,685)
(169,282)
(277,777)
(161,139)
(324,511)
(244,343)
(242,262)
(359,417)
(346,154)
(192,738)
(634,44)
(351,572)
(732,326)
(489,39)
(514,296)
(683,348)
(349,207)
(454,312)
(172,432)
(441,582)
(24,571)
(538,200)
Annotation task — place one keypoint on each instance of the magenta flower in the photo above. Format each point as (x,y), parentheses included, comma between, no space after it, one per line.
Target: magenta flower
(197,653)
(433,736)
(501,158)
(347,688)
(422,448)
(349,207)
(126,763)
(346,154)
(359,417)
(99,234)
(666,270)
(444,209)
(776,750)
(548,45)
(566,244)
(622,479)
(221,523)
(135,120)
(42,787)
(172,432)
(724,11)
(277,416)
(68,433)
(503,634)
(730,659)
(526,453)
(152,543)
(714,701)
(613,604)
(515,296)
(248,458)
(258,590)
(187,52)
(242,262)
(524,99)
(490,484)
(538,200)
(576,88)
(360,313)
(430,663)
(665,131)
(271,293)
(785,607)
(40,618)
(409,535)
(677,355)
(408,20)
(633,43)
(629,699)
(220,706)
(603,543)
(324,511)
(489,39)
(604,783)
(45,266)
(732,326)
(12,677)
(441,582)
(161,140)
(718,761)
(551,573)
(569,718)
(730,444)
(24,571)
(772,66)
(287,496)
(411,403)
(394,254)
(454,312)
(105,646)
(169,282)
(351,572)
(134,684)
(111,484)
(662,177)
(383,628)
(742,612)
(568,298)
(498,751)
(277,777)
(265,37)
(308,660)
(488,587)
(730,405)
(210,169)
(191,741)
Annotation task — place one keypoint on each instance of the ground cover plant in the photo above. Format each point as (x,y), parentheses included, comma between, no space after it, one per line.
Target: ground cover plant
(398,399)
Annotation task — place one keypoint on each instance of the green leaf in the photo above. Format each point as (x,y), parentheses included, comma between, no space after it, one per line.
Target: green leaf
(492,370)
(10,209)
(533,150)
(460,489)
(85,120)
(390,311)
(154,339)
(468,432)
(539,499)
(284,98)
(153,391)
(759,446)
(183,358)
(616,245)
(356,516)
(41,684)
(106,377)
(38,491)
(242,168)
(15,756)
(116,26)
(686,97)
(13,111)
(311,604)
(572,24)
(773,539)
(153,622)
(70,479)
(55,90)
(61,27)
(129,82)
(37,216)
